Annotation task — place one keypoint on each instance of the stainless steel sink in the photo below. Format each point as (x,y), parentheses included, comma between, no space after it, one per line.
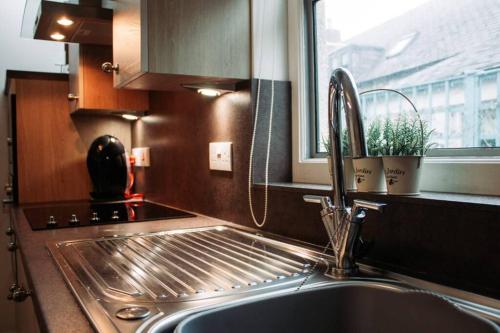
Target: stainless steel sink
(125,284)
(151,282)
(348,308)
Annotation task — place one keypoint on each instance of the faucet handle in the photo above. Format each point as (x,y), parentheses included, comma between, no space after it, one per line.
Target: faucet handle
(359,208)
(324,201)
(379,207)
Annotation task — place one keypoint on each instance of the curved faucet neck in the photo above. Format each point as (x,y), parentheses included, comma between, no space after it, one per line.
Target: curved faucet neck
(343,87)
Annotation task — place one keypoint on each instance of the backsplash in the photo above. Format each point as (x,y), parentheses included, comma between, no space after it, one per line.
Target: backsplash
(178,130)
(451,244)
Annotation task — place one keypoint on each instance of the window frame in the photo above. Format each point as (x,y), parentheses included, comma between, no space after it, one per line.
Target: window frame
(482,166)
(312,66)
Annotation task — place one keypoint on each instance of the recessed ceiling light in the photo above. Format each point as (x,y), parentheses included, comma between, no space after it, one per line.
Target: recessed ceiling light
(65,21)
(129,117)
(209,92)
(57,36)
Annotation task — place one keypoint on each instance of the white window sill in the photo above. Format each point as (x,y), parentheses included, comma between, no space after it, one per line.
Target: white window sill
(449,175)
(484,202)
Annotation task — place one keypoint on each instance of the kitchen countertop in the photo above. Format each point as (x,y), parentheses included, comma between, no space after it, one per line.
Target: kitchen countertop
(56,307)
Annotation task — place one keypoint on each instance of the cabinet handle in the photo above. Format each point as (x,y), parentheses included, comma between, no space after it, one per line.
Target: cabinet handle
(9,231)
(8,189)
(72,97)
(18,293)
(108,67)
(11,247)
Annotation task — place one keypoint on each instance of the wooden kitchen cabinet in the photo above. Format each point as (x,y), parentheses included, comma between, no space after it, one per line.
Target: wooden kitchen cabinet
(91,89)
(162,44)
(49,149)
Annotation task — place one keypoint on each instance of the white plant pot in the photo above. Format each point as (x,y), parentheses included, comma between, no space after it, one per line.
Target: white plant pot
(369,174)
(348,173)
(402,174)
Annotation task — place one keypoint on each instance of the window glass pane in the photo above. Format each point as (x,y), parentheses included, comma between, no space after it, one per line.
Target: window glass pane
(443,54)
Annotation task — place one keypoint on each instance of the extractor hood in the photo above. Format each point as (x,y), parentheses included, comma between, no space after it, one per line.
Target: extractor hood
(70,21)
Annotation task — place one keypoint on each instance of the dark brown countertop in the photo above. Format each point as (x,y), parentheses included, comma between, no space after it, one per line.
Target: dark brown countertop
(57,309)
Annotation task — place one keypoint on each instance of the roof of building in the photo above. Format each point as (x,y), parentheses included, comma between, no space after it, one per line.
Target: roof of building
(450,38)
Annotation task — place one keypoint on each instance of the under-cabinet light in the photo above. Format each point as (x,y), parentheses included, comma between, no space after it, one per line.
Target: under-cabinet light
(129,117)
(57,36)
(65,21)
(215,89)
(209,92)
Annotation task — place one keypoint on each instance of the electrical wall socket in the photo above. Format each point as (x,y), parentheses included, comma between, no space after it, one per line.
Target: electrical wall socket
(221,156)
(141,155)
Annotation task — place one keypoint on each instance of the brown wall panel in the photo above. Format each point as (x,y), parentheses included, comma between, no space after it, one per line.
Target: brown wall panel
(49,149)
(178,131)
(52,145)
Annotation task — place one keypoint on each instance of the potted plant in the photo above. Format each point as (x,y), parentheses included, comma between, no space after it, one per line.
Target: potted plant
(369,171)
(347,159)
(405,143)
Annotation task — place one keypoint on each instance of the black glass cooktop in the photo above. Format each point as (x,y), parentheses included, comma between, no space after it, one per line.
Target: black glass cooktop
(90,213)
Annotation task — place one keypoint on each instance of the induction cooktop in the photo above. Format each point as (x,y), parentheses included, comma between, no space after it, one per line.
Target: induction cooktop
(98,213)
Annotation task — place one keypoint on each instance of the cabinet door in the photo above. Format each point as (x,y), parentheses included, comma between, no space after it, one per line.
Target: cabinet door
(129,40)
(89,86)
(75,77)
(93,87)
(97,86)
(199,38)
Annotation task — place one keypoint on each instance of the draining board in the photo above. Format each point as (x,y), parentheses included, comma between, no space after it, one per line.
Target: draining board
(183,265)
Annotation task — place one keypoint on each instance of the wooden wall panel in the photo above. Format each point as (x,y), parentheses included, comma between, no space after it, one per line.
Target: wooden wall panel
(51,155)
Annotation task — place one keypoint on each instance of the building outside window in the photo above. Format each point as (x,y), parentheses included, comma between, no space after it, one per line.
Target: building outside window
(443,54)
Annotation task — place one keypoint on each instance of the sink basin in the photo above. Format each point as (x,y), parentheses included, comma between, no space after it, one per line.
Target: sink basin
(346,307)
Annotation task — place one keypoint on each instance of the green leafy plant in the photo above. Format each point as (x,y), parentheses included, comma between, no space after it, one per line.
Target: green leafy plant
(374,138)
(346,149)
(325,141)
(405,137)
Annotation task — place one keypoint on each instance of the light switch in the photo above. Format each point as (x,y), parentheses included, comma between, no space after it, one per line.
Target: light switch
(220,156)
(141,155)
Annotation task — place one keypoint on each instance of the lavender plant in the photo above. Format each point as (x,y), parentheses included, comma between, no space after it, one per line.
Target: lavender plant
(325,141)
(405,137)
(374,138)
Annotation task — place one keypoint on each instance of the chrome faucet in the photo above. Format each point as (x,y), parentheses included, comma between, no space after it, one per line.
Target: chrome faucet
(342,223)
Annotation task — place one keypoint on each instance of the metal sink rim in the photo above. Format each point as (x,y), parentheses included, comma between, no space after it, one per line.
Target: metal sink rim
(470,308)
(385,284)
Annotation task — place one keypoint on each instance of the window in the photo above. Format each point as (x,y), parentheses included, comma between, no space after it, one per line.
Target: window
(446,60)
(443,54)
